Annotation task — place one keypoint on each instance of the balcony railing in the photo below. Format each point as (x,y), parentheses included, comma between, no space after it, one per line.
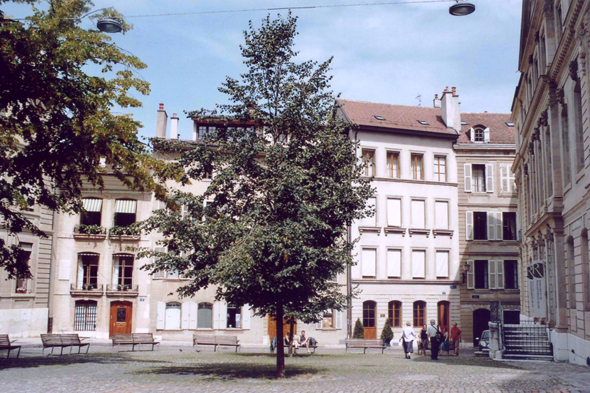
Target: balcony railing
(125,233)
(90,232)
(87,289)
(122,290)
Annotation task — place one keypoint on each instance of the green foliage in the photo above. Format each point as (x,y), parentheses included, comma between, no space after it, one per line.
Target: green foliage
(90,229)
(359,329)
(387,333)
(273,234)
(131,230)
(57,121)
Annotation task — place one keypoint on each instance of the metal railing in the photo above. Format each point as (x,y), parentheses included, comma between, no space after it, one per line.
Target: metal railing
(123,288)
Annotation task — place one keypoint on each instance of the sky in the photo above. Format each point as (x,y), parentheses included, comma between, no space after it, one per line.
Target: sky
(382,53)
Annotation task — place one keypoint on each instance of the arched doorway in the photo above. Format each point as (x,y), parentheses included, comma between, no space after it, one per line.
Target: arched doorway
(444,308)
(369,319)
(121,317)
(481,318)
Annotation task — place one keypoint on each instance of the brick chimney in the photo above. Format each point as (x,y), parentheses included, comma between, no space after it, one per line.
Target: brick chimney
(161,122)
(174,126)
(436,101)
(451,113)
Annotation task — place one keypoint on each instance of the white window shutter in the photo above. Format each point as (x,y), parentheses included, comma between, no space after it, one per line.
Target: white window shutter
(222,315)
(492,274)
(442,264)
(64,269)
(216,315)
(504,183)
(80,280)
(467,174)
(470,275)
(491,226)
(418,264)
(368,262)
(468,225)
(418,214)
(159,275)
(371,221)
(511,186)
(500,274)
(320,324)
(160,323)
(115,280)
(499,227)
(192,315)
(394,263)
(490,177)
(486,135)
(246,316)
(394,212)
(338,319)
(472,134)
(185,315)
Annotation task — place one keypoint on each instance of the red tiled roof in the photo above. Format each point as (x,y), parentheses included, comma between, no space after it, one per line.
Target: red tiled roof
(499,132)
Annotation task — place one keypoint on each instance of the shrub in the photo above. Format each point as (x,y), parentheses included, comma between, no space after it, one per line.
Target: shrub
(359,329)
(387,333)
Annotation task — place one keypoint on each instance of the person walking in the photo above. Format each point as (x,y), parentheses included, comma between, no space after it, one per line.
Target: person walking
(433,331)
(456,337)
(408,337)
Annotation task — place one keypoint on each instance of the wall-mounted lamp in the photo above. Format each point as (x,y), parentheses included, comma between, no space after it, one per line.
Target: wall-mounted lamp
(465,271)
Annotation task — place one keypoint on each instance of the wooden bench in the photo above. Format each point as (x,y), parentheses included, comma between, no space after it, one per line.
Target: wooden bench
(216,341)
(311,347)
(5,343)
(364,344)
(133,339)
(63,341)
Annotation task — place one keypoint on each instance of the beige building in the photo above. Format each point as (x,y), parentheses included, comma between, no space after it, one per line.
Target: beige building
(487,223)
(552,168)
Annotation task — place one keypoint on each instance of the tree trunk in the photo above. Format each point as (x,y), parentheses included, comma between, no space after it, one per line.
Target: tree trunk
(280,343)
(291,334)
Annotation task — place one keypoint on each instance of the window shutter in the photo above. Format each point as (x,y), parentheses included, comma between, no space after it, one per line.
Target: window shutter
(371,221)
(369,259)
(394,265)
(159,275)
(470,275)
(490,177)
(222,315)
(469,225)
(418,216)
(491,226)
(161,315)
(246,316)
(418,262)
(442,264)
(338,319)
(80,280)
(486,135)
(500,274)
(504,184)
(441,216)
(216,315)
(394,212)
(511,186)
(472,134)
(64,269)
(115,280)
(320,324)
(492,274)
(499,227)
(192,315)
(185,317)
(467,174)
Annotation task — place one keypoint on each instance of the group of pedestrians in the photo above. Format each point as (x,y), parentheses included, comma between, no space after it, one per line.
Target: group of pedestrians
(430,337)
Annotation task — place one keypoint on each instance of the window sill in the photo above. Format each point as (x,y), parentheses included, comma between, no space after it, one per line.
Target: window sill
(328,329)
(420,231)
(376,230)
(395,230)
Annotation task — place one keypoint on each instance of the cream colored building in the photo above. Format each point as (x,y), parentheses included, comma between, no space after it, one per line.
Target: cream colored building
(552,168)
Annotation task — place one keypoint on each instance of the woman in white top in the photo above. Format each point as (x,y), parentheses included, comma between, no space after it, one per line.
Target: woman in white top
(408,337)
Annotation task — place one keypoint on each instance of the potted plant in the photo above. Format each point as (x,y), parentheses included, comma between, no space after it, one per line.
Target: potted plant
(387,333)
(359,329)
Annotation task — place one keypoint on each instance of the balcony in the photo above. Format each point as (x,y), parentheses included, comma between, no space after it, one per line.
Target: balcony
(123,290)
(128,233)
(90,232)
(87,290)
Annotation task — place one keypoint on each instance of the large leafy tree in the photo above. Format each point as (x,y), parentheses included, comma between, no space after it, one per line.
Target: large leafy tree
(273,230)
(57,124)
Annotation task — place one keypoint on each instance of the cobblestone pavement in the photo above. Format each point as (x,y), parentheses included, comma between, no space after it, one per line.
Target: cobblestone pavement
(171,370)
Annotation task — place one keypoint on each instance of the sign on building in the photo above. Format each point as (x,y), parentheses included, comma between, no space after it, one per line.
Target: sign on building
(537,290)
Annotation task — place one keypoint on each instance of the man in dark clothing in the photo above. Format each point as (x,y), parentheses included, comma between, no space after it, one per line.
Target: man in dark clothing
(434,344)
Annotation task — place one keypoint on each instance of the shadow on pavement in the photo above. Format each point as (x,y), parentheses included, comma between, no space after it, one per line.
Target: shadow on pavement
(38,361)
(464,361)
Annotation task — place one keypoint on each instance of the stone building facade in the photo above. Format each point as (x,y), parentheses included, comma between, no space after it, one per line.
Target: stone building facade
(552,169)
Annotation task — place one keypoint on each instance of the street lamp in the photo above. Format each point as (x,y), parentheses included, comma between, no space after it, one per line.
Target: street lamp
(465,271)
(109,25)
(461,9)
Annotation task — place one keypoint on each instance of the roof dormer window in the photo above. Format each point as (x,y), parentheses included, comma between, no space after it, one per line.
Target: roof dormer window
(379,117)
(423,122)
(478,137)
(479,134)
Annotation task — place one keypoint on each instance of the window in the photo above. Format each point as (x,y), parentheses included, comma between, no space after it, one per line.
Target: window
(87,271)
(578,130)
(441,218)
(395,313)
(480,227)
(423,122)
(123,271)
(419,313)
(172,316)
(331,319)
(85,316)
(440,168)
(205,316)
(481,275)
(565,144)
(125,210)
(418,217)
(393,170)
(204,131)
(506,178)
(92,211)
(479,135)
(369,311)
(510,274)
(479,178)
(24,258)
(442,264)
(208,172)
(234,317)
(509,225)
(585,268)
(370,221)
(379,117)
(418,263)
(394,263)
(369,262)
(394,212)
(369,162)
(417,166)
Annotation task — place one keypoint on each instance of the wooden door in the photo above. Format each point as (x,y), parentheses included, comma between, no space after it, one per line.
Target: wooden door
(121,314)
(443,316)
(272,327)
(369,314)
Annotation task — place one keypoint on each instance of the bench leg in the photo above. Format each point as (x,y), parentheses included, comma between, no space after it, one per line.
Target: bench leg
(87,348)
(18,354)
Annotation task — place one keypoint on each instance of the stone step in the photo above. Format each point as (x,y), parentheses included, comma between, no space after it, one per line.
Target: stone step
(514,356)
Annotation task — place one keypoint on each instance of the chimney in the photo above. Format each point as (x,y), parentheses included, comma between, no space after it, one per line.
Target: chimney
(436,101)
(174,126)
(451,113)
(161,122)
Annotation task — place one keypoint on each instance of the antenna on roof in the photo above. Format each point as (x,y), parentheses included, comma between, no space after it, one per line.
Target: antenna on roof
(419,98)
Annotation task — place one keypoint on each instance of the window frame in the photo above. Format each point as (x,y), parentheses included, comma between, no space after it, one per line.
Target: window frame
(440,177)
(417,170)
(394,313)
(393,155)
(369,161)
(419,307)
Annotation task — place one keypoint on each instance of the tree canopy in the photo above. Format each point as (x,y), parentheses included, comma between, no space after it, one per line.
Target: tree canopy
(58,130)
(271,229)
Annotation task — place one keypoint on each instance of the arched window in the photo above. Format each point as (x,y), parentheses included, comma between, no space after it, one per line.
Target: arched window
(395,313)
(444,309)
(369,319)
(173,316)
(85,316)
(87,271)
(585,268)
(479,135)
(205,316)
(419,313)
(571,274)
